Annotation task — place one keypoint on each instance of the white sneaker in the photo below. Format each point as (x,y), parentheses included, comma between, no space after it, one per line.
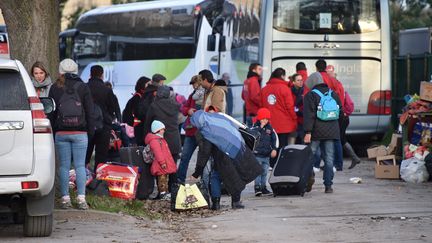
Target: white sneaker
(316,170)
(334,169)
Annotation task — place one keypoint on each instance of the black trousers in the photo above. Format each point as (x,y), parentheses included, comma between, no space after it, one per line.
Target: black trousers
(139,134)
(343,125)
(100,143)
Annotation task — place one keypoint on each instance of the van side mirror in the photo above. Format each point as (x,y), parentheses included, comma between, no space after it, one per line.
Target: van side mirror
(222,43)
(211,43)
(48,104)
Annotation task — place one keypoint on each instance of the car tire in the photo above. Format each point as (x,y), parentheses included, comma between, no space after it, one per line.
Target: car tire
(38,226)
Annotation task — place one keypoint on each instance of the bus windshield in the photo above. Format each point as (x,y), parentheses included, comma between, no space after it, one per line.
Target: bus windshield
(327,16)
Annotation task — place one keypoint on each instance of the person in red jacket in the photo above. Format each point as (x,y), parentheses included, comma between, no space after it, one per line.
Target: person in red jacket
(299,90)
(302,70)
(163,164)
(251,92)
(278,98)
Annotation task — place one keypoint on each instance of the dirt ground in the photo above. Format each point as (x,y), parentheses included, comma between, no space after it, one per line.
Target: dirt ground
(373,211)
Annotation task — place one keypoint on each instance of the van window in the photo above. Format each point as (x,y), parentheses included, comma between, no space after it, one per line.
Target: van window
(13,94)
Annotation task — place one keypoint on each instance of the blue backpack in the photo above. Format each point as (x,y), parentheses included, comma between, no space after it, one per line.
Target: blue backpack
(328,109)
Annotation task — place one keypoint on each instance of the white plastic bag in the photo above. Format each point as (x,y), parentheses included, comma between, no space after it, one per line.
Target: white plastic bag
(414,170)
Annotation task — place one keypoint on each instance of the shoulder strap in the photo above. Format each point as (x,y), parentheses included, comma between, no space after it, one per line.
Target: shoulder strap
(318,93)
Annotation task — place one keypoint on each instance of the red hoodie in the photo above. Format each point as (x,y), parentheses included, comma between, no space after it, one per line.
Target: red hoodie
(189,104)
(277,97)
(162,155)
(251,94)
(336,86)
(304,74)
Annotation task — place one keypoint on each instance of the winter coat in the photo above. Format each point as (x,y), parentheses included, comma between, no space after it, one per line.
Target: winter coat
(220,131)
(162,155)
(216,97)
(235,175)
(251,94)
(267,140)
(190,104)
(42,88)
(145,102)
(166,110)
(298,97)
(304,74)
(129,110)
(104,98)
(277,97)
(320,130)
(56,93)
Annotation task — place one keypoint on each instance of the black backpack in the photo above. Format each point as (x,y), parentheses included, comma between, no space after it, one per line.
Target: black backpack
(71,113)
(99,118)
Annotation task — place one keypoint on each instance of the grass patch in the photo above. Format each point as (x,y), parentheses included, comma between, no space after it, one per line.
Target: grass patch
(115,205)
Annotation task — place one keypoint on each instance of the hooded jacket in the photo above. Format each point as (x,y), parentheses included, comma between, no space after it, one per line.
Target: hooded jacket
(162,155)
(320,130)
(220,131)
(166,110)
(42,88)
(216,97)
(146,99)
(235,175)
(251,93)
(83,90)
(277,97)
(104,98)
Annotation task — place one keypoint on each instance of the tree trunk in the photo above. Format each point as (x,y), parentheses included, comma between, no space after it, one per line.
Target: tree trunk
(33,27)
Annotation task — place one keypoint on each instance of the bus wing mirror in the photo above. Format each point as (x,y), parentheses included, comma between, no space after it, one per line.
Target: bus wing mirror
(211,43)
(222,43)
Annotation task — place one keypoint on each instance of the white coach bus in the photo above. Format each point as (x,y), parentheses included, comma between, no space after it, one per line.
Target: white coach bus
(178,38)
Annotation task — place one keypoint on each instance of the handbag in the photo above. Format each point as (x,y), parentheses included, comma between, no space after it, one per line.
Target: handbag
(421,134)
(189,197)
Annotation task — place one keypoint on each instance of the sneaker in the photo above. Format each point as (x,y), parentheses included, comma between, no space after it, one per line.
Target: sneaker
(66,204)
(334,169)
(316,170)
(266,192)
(328,189)
(258,191)
(82,204)
(165,196)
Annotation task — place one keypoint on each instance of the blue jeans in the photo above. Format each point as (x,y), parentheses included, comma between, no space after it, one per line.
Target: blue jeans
(72,148)
(317,158)
(327,148)
(338,161)
(261,180)
(215,184)
(189,147)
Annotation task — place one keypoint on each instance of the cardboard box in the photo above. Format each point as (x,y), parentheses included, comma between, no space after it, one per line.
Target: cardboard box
(426,91)
(386,168)
(395,146)
(377,151)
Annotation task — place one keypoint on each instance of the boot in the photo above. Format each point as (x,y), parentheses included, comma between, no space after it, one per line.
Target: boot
(215,203)
(235,202)
(350,151)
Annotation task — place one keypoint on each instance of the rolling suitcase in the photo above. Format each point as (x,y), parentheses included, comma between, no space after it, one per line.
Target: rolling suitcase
(292,170)
(133,156)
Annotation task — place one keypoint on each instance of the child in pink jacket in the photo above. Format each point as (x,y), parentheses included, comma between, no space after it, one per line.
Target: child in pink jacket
(163,164)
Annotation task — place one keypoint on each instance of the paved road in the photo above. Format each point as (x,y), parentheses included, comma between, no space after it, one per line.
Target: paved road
(374,211)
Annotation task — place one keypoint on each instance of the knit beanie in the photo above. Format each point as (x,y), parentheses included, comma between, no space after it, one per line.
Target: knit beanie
(68,66)
(263,113)
(156,126)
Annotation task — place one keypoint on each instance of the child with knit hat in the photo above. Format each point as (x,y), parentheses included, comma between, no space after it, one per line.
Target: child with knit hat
(265,149)
(163,164)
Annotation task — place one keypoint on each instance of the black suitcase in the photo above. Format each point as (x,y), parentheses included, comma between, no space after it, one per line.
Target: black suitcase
(292,170)
(133,156)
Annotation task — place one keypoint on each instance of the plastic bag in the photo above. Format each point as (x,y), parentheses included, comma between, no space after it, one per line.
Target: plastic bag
(414,170)
(72,178)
